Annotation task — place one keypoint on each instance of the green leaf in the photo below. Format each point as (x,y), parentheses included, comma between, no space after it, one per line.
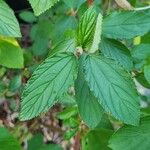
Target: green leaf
(141,79)
(37,143)
(96,140)
(67,113)
(15,83)
(141,52)
(97,34)
(8,23)
(90,110)
(147,73)
(28,16)
(86,28)
(113,87)
(40,6)
(65,45)
(11,55)
(7,141)
(117,51)
(48,83)
(74,3)
(126,24)
(131,138)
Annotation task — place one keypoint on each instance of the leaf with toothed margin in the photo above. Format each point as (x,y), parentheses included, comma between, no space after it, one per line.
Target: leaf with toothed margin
(89,108)
(113,87)
(8,23)
(48,83)
(40,6)
(119,52)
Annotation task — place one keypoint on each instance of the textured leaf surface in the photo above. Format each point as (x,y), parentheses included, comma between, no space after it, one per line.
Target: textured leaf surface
(49,81)
(8,22)
(11,55)
(131,138)
(40,6)
(117,51)
(97,34)
(114,88)
(86,28)
(90,110)
(7,141)
(97,140)
(126,24)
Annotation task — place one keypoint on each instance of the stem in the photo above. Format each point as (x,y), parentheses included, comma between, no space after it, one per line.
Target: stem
(90,2)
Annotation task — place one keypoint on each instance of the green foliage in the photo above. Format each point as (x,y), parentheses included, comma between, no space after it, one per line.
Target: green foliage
(40,6)
(92,112)
(117,51)
(94,54)
(11,55)
(86,28)
(37,143)
(126,24)
(8,22)
(49,82)
(7,140)
(113,87)
(97,139)
(27,16)
(129,137)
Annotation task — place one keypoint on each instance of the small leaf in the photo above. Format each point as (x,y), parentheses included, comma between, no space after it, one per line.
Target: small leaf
(90,110)
(48,83)
(113,87)
(86,28)
(28,16)
(40,6)
(96,140)
(97,34)
(126,24)
(117,51)
(7,141)
(131,138)
(67,113)
(8,23)
(11,55)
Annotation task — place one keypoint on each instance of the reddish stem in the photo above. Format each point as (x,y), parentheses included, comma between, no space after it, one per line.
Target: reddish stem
(90,2)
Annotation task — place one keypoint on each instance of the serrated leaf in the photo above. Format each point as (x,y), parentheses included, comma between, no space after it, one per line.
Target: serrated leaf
(96,140)
(40,6)
(47,84)
(113,87)
(116,50)
(86,28)
(7,141)
(97,34)
(11,55)
(8,23)
(90,110)
(126,24)
(131,138)
(65,45)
